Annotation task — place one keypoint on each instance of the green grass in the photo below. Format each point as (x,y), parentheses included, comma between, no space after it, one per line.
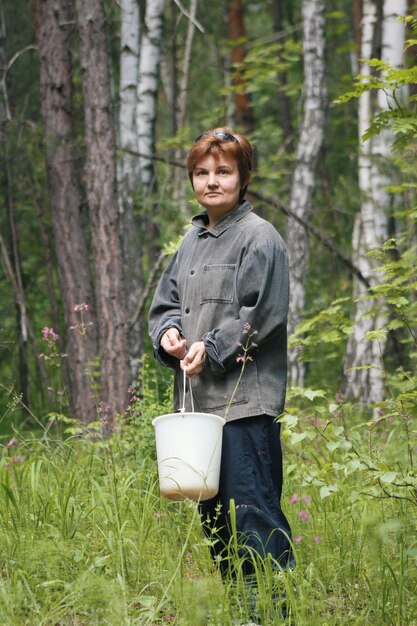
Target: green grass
(86,539)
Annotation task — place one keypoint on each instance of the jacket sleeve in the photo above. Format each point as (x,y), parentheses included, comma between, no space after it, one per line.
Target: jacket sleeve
(165,311)
(262,291)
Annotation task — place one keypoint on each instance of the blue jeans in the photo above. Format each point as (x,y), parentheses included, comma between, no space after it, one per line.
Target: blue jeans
(251,475)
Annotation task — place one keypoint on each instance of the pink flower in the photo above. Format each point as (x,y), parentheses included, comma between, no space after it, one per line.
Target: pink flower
(48,334)
(293,499)
(298,539)
(12,443)
(242,358)
(304,516)
(80,307)
(317,539)
(307,500)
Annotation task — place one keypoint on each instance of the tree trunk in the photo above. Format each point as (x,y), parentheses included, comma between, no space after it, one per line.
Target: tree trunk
(148,89)
(129,180)
(357,12)
(303,184)
(283,99)
(103,206)
(243,110)
(71,248)
(15,267)
(363,363)
(412,49)
(186,62)
(179,182)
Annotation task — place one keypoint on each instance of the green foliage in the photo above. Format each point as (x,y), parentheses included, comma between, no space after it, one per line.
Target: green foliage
(86,538)
(330,327)
(391,81)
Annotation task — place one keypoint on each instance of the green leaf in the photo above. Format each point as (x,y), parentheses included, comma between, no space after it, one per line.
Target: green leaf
(297,437)
(376,335)
(388,477)
(327,490)
(333,445)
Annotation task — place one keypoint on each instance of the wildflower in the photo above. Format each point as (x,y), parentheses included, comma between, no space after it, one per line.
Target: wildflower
(307,500)
(298,539)
(242,358)
(49,335)
(304,516)
(103,407)
(80,307)
(293,499)
(317,539)
(12,443)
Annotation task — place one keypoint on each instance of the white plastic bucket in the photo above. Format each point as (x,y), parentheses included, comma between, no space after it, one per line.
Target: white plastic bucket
(188,447)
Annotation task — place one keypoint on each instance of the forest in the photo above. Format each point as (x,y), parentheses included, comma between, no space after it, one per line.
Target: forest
(100,101)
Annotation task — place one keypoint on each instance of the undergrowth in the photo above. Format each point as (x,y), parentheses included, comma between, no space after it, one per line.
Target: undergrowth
(85,537)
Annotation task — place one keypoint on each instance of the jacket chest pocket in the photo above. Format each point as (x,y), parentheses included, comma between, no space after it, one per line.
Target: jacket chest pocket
(218,283)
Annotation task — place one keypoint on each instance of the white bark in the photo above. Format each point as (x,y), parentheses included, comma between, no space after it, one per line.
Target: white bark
(303,184)
(178,181)
(129,73)
(148,87)
(128,171)
(366,384)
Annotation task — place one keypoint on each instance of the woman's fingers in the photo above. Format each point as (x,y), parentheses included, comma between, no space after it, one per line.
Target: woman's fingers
(194,360)
(173,343)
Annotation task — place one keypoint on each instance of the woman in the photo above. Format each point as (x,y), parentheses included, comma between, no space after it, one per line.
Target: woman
(227,282)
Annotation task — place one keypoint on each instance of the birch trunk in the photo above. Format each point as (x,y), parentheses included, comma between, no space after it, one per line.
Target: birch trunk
(180,107)
(65,200)
(103,206)
(363,363)
(150,52)
(128,174)
(303,184)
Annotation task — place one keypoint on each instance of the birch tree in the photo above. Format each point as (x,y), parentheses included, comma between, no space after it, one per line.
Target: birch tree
(150,51)
(128,172)
(102,200)
(363,363)
(65,201)
(178,97)
(303,183)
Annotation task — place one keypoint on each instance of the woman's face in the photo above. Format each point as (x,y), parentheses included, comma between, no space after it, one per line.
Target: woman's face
(216,184)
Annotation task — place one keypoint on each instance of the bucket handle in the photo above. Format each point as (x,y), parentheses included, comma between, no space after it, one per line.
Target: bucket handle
(182,409)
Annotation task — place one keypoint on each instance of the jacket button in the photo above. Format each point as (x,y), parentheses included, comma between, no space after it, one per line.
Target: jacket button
(192,273)
(187,310)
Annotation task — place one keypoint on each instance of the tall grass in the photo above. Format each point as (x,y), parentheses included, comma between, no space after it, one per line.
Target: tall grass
(86,539)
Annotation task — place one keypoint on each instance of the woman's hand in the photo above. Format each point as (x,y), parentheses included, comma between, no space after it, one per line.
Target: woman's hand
(173,343)
(193,361)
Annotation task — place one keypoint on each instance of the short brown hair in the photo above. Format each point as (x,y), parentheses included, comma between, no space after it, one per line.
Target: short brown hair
(211,143)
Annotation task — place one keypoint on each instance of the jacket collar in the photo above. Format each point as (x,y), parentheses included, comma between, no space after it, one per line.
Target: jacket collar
(201,220)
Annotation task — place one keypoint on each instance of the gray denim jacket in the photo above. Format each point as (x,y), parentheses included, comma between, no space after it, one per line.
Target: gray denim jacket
(219,283)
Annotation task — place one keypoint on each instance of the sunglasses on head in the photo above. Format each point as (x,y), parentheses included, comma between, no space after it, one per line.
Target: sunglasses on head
(219,133)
